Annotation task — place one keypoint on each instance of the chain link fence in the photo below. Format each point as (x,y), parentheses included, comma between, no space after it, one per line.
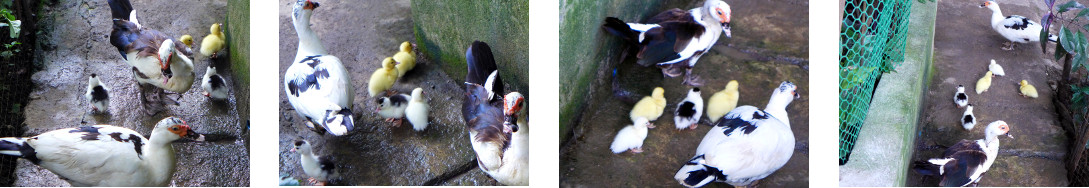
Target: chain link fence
(872,41)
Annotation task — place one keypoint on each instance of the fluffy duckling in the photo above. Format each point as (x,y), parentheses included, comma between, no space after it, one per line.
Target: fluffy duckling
(214,86)
(960,98)
(417,109)
(722,102)
(187,40)
(1027,90)
(383,78)
(319,168)
(984,83)
(97,94)
(406,60)
(689,111)
(969,118)
(631,137)
(214,42)
(650,107)
(996,69)
(393,108)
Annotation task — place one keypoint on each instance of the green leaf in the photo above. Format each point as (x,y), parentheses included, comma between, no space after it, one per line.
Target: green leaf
(1070,5)
(1067,39)
(1059,51)
(15,28)
(1079,60)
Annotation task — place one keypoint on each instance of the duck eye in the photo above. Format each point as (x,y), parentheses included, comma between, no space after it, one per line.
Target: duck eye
(174,128)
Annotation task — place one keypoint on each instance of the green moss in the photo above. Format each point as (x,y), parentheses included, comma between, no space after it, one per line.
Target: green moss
(238,32)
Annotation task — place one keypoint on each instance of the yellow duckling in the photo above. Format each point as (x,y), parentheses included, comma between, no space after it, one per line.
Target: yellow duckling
(383,78)
(984,83)
(406,60)
(650,107)
(187,40)
(214,42)
(1027,90)
(722,102)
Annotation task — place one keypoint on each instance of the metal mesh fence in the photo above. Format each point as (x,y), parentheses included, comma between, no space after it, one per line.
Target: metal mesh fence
(16,68)
(872,41)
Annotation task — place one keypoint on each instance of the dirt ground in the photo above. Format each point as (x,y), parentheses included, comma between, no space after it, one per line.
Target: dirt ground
(376,153)
(75,43)
(769,45)
(964,44)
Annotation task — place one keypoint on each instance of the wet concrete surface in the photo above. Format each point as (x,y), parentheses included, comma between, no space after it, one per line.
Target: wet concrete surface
(770,45)
(376,153)
(964,44)
(75,43)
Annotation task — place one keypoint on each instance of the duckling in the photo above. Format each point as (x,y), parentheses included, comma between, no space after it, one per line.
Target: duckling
(722,102)
(689,110)
(969,118)
(650,107)
(406,60)
(97,94)
(393,108)
(416,111)
(960,98)
(319,168)
(383,78)
(187,40)
(214,42)
(214,86)
(631,137)
(984,82)
(996,69)
(1027,90)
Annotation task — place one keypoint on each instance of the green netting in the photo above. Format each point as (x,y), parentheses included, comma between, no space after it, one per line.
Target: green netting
(872,41)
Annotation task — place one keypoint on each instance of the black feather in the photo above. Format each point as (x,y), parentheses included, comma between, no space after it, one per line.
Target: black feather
(968,118)
(481,63)
(746,126)
(98,93)
(962,96)
(120,9)
(327,164)
(216,81)
(303,84)
(687,109)
(617,27)
(89,132)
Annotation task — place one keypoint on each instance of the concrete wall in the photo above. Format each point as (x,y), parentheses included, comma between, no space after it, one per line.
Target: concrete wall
(444,30)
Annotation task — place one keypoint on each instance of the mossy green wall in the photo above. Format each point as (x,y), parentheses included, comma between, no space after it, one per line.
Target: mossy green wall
(587,51)
(445,29)
(238,34)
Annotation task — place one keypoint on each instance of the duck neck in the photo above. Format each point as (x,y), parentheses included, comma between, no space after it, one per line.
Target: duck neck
(996,15)
(991,140)
(777,109)
(309,43)
(159,156)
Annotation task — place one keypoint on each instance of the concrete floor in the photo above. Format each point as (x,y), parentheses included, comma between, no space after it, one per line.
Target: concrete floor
(964,44)
(75,43)
(769,45)
(376,153)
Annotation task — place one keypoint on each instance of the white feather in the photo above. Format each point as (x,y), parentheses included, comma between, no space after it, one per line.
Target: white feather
(630,137)
(996,69)
(417,109)
(682,122)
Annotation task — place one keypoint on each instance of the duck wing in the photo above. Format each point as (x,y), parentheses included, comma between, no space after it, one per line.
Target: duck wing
(481,65)
(90,155)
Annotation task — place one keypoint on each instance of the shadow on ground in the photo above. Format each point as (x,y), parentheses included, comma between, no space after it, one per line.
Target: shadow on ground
(964,44)
(74,44)
(769,45)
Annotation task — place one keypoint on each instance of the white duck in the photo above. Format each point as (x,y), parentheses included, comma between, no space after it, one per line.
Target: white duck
(747,145)
(319,168)
(1015,28)
(689,110)
(317,84)
(996,69)
(393,108)
(968,120)
(97,94)
(417,109)
(960,98)
(104,155)
(155,57)
(214,85)
(497,125)
(631,137)
(675,39)
(964,163)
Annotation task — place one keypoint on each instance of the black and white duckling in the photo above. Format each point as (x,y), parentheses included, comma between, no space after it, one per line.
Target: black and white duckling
(319,168)
(417,110)
(631,137)
(747,145)
(689,111)
(317,84)
(964,163)
(214,86)
(675,39)
(104,155)
(1016,29)
(960,98)
(392,108)
(156,58)
(97,94)
(968,120)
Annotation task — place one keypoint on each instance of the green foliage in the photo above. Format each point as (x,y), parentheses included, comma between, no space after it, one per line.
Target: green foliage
(14,26)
